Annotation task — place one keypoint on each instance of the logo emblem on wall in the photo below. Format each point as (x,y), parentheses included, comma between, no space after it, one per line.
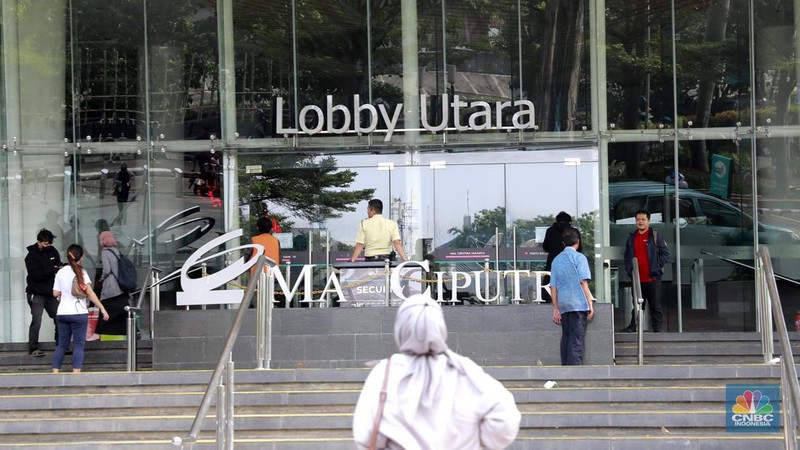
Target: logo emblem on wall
(749,408)
(201,291)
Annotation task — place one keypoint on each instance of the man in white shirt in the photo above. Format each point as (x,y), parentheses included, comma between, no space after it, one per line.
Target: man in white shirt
(377,236)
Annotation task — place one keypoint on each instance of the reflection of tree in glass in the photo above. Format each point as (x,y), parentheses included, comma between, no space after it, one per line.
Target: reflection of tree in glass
(479,231)
(313,189)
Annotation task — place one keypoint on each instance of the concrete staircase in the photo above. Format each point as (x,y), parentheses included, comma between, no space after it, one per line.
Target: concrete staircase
(591,407)
(697,348)
(99,356)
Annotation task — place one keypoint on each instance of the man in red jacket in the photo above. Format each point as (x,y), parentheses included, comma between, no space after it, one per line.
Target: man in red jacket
(652,254)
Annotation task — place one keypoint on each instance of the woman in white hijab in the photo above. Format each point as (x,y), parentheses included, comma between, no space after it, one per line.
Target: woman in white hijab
(435,399)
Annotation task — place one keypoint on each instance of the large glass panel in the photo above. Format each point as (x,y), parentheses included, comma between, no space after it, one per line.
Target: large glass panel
(778,217)
(5,256)
(332,63)
(34,99)
(183,69)
(263,46)
(639,64)
(776,44)
(107,67)
(38,196)
(647,190)
(166,215)
(713,59)
(554,39)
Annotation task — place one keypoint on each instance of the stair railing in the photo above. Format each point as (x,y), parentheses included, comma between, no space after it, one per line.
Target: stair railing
(152,284)
(224,389)
(133,312)
(790,389)
(637,295)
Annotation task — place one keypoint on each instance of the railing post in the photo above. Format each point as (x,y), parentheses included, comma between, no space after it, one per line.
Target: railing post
(229,415)
(387,266)
(264,306)
(261,315)
(789,417)
(131,337)
(155,300)
(221,410)
(639,301)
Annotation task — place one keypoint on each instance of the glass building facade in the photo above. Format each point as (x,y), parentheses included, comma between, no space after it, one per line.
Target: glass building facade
(475,122)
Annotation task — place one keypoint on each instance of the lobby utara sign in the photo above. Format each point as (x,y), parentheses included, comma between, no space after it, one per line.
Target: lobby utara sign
(364,118)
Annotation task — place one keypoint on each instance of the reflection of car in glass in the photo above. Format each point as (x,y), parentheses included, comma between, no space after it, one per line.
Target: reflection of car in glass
(703,219)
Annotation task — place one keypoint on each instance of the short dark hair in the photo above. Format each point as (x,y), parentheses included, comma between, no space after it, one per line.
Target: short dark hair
(375,205)
(264,225)
(570,236)
(563,217)
(45,235)
(642,211)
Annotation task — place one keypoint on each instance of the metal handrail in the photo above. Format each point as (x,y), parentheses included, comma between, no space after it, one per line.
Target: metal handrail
(637,295)
(224,359)
(130,323)
(790,388)
(741,264)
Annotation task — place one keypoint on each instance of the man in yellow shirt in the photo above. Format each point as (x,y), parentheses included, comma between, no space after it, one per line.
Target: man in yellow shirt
(377,236)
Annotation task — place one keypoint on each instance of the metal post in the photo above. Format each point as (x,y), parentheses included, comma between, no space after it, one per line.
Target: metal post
(327,266)
(229,415)
(155,301)
(221,409)
(486,274)
(637,295)
(514,252)
(789,420)
(288,278)
(261,313)
(387,278)
(203,273)
(131,336)
(270,301)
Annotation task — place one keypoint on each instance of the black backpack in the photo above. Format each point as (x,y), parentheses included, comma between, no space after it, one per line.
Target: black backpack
(126,278)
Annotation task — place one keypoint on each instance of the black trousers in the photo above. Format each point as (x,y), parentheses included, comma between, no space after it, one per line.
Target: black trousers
(651,292)
(38,304)
(378,258)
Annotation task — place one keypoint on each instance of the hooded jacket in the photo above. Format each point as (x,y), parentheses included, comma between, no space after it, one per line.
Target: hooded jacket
(553,242)
(42,265)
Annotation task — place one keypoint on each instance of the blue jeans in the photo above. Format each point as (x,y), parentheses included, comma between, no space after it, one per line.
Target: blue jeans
(573,332)
(71,327)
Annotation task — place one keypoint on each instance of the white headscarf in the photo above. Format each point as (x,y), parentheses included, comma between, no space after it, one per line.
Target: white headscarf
(436,399)
(420,332)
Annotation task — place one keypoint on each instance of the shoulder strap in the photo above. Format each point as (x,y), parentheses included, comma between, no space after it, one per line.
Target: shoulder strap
(118,259)
(373,439)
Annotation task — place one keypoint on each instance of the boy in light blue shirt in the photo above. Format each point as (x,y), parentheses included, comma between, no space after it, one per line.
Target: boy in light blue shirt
(572,301)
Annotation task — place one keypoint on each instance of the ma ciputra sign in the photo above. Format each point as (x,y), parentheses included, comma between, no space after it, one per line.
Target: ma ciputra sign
(204,290)
(486,116)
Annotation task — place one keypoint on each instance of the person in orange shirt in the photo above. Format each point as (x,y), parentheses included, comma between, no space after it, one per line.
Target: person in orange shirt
(272,247)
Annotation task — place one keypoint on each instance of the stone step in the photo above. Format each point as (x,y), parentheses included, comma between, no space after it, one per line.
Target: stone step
(98,356)
(696,348)
(591,407)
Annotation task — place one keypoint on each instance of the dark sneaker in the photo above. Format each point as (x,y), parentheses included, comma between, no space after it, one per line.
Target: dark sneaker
(628,329)
(37,353)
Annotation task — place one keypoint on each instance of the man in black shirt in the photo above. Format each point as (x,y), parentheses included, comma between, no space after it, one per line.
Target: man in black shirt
(42,262)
